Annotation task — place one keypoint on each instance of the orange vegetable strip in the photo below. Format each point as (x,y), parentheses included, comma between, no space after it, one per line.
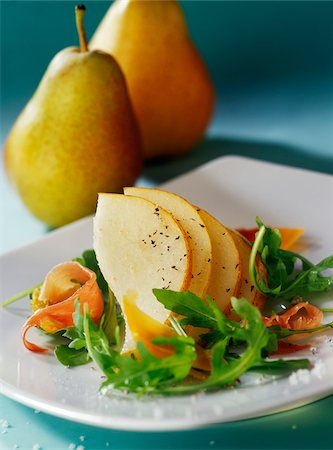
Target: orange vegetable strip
(64,284)
(302,316)
(289,235)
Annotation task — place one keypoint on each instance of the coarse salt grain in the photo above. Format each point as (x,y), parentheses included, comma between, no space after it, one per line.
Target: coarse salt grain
(36,447)
(80,447)
(319,369)
(4,424)
(300,376)
(82,438)
(71,446)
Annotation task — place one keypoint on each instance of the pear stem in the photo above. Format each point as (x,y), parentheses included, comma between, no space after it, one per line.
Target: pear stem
(79,15)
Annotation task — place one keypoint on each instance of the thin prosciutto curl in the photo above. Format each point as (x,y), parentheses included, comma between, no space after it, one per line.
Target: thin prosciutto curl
(64,284)
(302,316)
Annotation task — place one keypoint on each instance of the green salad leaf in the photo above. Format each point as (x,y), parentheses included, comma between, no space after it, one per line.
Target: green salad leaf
(285,278)
(75,352)
(145,373)
(71,357)
(252,332)
(235,347)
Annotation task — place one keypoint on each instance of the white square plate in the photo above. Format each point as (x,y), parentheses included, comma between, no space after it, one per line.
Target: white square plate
(233,189)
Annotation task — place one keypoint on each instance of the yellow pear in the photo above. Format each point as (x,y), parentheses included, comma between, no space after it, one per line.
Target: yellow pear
(76,137)
(169,85)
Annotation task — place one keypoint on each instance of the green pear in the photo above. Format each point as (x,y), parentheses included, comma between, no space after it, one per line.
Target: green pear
(76,137)
(169,85)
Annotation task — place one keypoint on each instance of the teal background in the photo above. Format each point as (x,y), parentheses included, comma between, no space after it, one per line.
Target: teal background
(271,62)
(272,66)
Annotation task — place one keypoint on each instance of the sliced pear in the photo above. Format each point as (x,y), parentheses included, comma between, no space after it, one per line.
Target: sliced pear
(189,218)
(226,273)
(247,289)
(140,246)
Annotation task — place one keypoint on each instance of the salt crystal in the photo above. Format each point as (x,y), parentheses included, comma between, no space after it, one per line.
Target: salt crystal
(80,447)
(300,376)
(82,438)
(36,447)
(4,424)
(71,446)
(319,369)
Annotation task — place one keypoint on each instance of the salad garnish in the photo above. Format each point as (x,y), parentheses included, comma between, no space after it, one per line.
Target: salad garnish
(199,347)
(53,302)
(285,278)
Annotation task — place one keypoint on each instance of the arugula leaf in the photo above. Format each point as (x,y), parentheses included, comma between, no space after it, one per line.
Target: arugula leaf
(284,279)
(206,314)
(197,313)
(224,370)
(16,297)
(98,346)
(145,373)
(282,333)
(71,357)
(74,353)
(279,366)
(109,320)
(148,372)
(187,304)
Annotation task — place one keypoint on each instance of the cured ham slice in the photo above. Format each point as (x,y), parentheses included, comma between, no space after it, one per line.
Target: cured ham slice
(64,284)
(302,316)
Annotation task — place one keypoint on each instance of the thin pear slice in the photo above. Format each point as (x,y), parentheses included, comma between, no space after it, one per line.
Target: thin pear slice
(189,218)
(226,273)
(140,246)
(247,289)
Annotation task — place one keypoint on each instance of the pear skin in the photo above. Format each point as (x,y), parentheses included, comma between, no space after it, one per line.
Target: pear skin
(170,88)
(76,137)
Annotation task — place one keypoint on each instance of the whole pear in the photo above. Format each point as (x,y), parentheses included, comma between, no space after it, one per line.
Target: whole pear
(76,137)
(169,85)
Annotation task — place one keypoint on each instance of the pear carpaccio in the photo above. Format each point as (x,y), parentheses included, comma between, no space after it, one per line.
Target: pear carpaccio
(76,137)
(170,88)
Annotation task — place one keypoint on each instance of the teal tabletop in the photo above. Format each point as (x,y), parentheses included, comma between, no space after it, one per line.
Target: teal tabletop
(272,67)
